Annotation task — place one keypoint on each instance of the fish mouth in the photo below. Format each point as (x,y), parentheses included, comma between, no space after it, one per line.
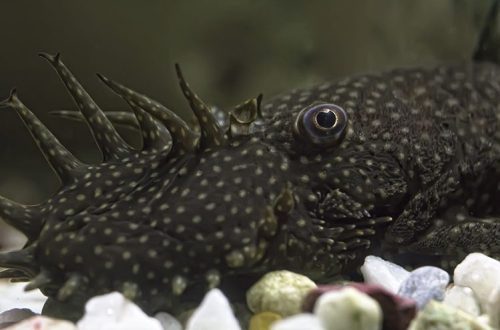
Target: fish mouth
(335,237)
(312,244)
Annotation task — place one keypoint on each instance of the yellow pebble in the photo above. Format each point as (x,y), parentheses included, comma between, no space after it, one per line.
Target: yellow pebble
(263,320)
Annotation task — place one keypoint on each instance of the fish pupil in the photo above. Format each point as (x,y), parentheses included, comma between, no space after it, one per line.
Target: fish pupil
(326,119)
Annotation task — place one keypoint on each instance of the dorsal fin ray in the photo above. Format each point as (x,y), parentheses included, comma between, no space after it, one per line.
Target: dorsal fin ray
(63,162)
(118,118)
(487,46)
(160,140)
(212,135)
(39,281)
(107,138)
(183,138)
(155,136)
(21,259)
(26,219)
(13,274)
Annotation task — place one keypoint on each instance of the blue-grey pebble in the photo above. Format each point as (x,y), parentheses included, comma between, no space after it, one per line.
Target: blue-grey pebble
(424,284)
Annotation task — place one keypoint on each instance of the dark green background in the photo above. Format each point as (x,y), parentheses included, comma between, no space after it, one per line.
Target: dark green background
(230,51)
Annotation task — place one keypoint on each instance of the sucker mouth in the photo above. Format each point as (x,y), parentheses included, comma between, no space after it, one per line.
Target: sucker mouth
(337,220)
(332,203)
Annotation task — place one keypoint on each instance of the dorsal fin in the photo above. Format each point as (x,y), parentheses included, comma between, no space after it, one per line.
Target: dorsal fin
(212,135)
(155,136)
(184,139)
(119,118)
(60,159)
(107,138)
(14,274)
(21,259)
(487,48)
(26,219)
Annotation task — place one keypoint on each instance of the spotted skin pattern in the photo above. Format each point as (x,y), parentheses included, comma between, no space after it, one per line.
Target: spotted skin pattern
(417,171)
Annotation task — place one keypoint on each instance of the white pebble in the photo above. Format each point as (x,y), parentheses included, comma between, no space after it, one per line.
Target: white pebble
(348,309)
(14,296)
(376,270)
(480,273)
(113,312)
(462,298)
(298,322)
(493,308)
(214,313)
(168,322)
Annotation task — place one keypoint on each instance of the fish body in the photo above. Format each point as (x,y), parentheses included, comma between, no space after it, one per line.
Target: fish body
(405,161)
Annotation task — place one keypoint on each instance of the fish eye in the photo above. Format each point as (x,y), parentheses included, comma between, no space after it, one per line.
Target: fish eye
(321,124)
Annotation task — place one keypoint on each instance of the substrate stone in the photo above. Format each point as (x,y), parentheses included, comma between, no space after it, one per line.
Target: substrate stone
(13,316)
(425,284)
(480,273)
(14,296)
(463,298)
(378,271)
(43,323)
(299,322)
(280,292)
(168,322)
(348,309)
(263,320)
(214,313)
(114,312)
(493,307)
(397,311)
(438,316)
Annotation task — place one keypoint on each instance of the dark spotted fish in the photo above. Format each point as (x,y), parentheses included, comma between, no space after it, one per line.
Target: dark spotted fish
(406,161)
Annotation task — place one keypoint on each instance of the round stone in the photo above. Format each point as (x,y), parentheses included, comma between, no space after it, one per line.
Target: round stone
(280,292)
(299,322)
(348,309)
(463,298)
(480,273)
(263,321)
(378,271)
(438,316)
(425,284)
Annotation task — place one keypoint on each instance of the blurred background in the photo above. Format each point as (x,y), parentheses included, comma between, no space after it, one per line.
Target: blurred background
(230,51)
